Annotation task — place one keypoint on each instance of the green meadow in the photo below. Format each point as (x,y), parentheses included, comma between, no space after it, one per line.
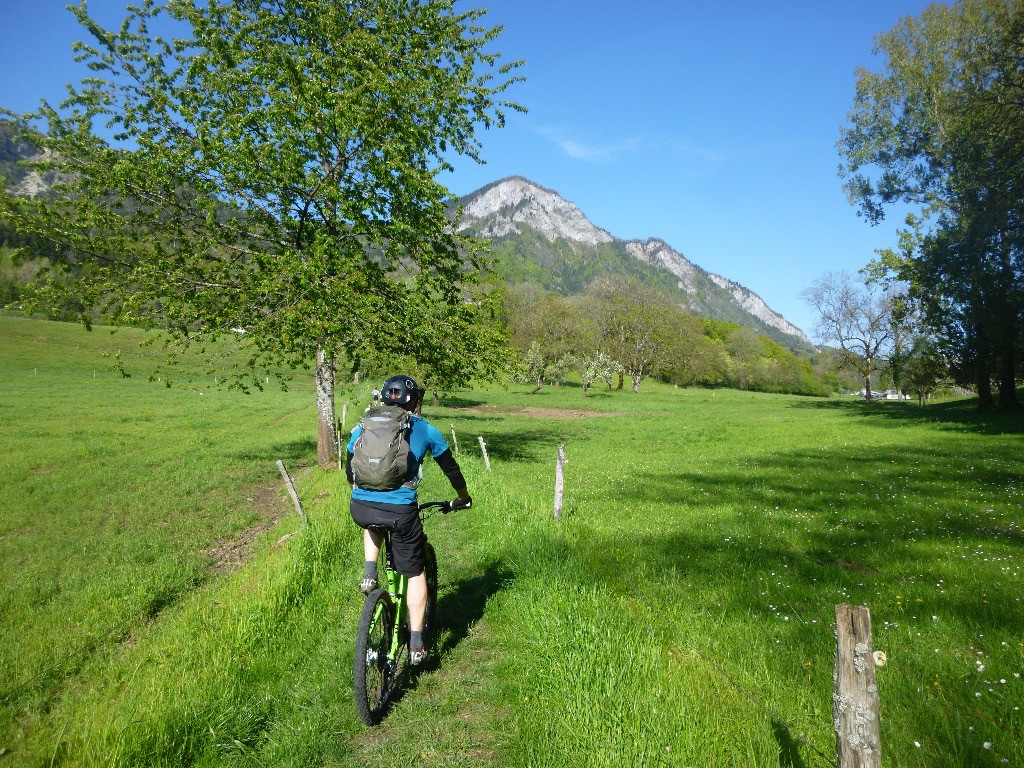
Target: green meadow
(161,603)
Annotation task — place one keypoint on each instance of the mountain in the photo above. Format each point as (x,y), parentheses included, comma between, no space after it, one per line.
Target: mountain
(538,236)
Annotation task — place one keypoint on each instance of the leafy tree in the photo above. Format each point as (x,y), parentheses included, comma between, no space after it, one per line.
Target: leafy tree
(631,326)
(593,367)
(692,357)
(939,128)
(548,330)
(924,368)
(272,167)
(856,315)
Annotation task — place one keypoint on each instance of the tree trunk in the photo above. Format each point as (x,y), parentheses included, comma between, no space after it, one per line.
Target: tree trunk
(326,449)
(636,384)
(586,387)
(983,381)
(437,400)
(622,381)
(867,387)
(540,383)
(1009,331)
(1008,380)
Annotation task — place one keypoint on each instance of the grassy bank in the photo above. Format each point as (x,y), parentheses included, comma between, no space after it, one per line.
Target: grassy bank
(680,614)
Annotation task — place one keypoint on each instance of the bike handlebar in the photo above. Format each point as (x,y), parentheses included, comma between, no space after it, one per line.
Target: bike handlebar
(444,506)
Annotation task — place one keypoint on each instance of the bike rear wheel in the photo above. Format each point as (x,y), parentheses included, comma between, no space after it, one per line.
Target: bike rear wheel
(374,677)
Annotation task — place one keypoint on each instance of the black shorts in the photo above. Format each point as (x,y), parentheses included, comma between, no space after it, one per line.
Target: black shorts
(403,520)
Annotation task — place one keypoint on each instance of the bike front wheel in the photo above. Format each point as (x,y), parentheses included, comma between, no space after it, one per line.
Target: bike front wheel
(374,675)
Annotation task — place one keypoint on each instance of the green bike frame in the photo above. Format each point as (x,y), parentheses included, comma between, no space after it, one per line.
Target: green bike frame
(398,585)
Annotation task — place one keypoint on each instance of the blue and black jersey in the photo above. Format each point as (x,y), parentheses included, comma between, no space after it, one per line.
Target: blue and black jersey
(424,437)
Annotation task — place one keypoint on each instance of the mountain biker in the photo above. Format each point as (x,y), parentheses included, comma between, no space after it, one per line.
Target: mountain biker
(397,509)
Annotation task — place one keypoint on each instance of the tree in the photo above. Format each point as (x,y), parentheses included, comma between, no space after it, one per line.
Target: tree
(940,129)
(547,329)
(272,167)
(856,315)
(593,367)
(630,325)
(924,367)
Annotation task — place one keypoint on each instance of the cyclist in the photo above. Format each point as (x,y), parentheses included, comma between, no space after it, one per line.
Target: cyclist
(397,509)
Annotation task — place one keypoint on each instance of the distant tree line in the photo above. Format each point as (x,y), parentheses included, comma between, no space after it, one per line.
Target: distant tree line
(619,329)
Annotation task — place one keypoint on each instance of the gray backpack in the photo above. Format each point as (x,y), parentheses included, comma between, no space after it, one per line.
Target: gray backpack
(380,456)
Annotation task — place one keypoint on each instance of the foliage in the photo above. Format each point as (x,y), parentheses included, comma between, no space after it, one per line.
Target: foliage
(939,128)
(619,328)
(526,256)
(593,367)
(271,167)
(631,326)
(548,329)
(924,368)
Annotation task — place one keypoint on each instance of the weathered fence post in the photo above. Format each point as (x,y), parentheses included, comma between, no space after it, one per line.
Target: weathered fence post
(483,450)
(855,701)
(291,489)
(341,446)
(344,416)
(559,481)
(455,440)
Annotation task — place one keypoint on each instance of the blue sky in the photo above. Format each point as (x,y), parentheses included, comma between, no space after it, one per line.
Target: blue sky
(710,125)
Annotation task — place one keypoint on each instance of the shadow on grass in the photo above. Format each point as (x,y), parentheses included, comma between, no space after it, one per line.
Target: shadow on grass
(458,610)
(831,527)
(293,452)
(460,400)
(462,606)
(533,441)
(789,750)
(961,415)
(845,530)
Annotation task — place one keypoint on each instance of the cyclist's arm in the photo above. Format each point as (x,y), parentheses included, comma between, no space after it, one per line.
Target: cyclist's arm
(348,458)
(451,470)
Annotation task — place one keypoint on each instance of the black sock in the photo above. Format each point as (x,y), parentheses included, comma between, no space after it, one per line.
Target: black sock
(415,639)
(371,569)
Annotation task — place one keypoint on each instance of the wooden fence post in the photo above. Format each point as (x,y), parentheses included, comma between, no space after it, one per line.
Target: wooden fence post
(483,450)
(855,701)
(291,489)
(455,440)
(559,481)
(341,446)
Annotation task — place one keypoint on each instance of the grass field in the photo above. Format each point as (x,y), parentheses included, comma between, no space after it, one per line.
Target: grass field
(680,614)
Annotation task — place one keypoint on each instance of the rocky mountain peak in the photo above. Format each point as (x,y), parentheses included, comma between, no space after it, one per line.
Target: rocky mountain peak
(514,210)
(498,209)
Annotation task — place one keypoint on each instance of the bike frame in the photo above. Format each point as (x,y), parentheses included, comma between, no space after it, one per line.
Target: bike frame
(379,655)
(398,585)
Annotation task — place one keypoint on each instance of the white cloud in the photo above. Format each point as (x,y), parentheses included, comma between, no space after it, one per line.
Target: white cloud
(602,151)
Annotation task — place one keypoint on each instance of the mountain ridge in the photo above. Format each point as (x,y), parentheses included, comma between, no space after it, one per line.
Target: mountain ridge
(530,223)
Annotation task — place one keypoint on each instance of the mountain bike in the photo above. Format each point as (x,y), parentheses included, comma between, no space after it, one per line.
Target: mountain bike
(382,641)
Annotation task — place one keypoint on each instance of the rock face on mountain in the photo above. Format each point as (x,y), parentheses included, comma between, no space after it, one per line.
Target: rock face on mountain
(498,210)
(540,237)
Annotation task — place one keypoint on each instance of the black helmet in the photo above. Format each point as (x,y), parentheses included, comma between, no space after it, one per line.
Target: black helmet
(401,391)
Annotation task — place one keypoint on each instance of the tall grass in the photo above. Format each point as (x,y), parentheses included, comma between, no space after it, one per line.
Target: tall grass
(680,614)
